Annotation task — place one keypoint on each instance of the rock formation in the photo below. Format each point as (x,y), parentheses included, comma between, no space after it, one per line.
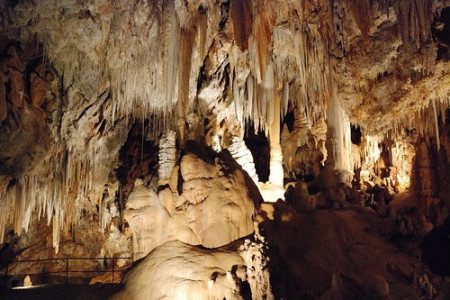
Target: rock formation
(209,204)
(134,128)
(205,274)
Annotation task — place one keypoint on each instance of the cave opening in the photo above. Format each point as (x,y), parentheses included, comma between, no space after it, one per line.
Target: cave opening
(137,159)
(355,135)
(441,31)
(259,146)
(435,248)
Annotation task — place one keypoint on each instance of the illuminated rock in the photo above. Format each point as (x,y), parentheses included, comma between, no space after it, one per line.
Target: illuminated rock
(215,206)
(180,271)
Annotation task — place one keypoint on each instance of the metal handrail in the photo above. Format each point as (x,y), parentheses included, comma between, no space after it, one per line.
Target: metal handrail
(67,269)
(64,258)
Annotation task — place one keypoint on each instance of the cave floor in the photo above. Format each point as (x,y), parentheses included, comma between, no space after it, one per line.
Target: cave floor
(66,292)
(355,248)
(104,291)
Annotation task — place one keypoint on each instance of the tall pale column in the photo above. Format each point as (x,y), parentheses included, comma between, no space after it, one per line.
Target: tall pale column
(276,155)
(339,140)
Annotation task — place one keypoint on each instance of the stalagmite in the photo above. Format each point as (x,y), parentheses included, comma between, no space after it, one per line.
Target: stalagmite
(254,255)
(167,156)
(151,223)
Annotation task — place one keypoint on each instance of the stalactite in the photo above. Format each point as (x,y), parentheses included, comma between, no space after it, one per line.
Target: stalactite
(362,13)
(241,17)
(187,44)
(436,125)
(55,195)
(262,32)
(285,98)
(170,38)
(250,97)
(202,29)
(414,20)
(425,118)
(260,108)
(268,96)
(239,105)
(442,109)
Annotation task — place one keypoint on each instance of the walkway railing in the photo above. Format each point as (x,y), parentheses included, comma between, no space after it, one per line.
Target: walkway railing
(62,273)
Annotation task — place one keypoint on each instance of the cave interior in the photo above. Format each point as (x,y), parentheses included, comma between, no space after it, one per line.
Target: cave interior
(225,149)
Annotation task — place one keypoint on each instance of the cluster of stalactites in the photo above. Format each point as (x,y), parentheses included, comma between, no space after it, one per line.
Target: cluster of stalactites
(145,81)
(426,119)
(274,50)
(286,57)
(154,73)
(155,49)
(414,18)
(425,122)
(56,196)
(371,149)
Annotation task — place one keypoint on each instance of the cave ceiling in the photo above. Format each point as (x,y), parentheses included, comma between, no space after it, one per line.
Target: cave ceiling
(75,75)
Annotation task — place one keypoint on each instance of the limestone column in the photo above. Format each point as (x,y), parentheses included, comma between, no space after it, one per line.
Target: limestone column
(276,176)
(339,140)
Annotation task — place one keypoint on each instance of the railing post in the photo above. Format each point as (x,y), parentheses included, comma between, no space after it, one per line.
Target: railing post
(67,270)
(113,263)
(6,274)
